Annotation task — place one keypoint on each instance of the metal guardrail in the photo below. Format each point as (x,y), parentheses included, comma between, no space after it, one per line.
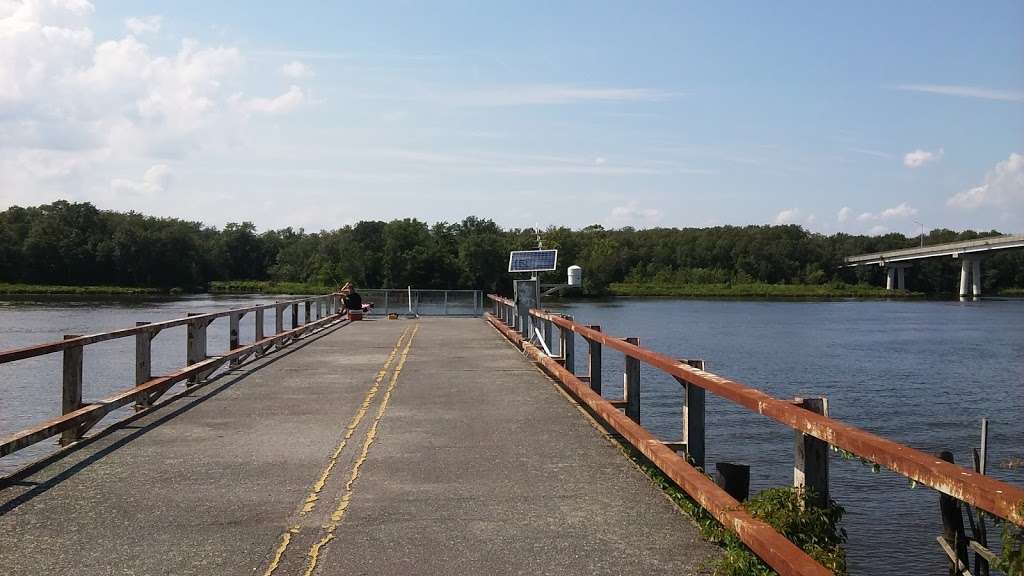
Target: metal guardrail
(818,431)
(78,417)
(425,302)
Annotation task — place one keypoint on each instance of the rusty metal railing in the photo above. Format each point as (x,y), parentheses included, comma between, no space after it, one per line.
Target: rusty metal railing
(77,417)
(998,498)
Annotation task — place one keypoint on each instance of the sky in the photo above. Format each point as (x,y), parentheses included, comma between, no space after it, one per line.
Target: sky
(859,117)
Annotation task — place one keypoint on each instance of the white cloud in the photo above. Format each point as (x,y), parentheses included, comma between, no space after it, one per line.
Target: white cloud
(902,211)
(599,161)
(965,91)
(296,69)
(788,216)
(286,102)
(844,214)
(1003,187)
(148,24)
(155,181)
(919,158)
(878,230)
(632,215)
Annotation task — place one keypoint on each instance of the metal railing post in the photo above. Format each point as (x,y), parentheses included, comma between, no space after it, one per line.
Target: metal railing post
(387,302)
(143,361)
(71,388)
(631,384)
(568,346)
(233,337)
(693,417)
(810,465)
(548,335)
(445,303)
(195,345)
(594,362)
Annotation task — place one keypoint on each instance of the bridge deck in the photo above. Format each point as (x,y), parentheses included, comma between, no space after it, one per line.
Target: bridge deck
(463,460)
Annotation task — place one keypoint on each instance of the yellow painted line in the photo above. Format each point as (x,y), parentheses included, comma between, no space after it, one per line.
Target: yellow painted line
(310,502)
(314,553)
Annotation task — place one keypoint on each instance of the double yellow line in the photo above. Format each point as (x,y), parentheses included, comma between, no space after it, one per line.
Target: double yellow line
(309,504)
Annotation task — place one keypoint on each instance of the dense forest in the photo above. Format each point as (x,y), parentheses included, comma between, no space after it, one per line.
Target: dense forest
(76,243)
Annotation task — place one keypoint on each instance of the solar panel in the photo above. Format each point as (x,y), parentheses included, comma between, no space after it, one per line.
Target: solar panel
(532,260)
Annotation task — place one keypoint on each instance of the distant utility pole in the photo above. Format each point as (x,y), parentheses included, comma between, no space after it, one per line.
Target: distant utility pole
(922,232)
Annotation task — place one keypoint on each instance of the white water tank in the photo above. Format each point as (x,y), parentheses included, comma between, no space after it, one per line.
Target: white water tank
(575,276)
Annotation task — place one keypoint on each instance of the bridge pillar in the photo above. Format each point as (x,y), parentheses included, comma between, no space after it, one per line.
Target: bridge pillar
(890,278)
(901,277)
(976,277)
(970,270)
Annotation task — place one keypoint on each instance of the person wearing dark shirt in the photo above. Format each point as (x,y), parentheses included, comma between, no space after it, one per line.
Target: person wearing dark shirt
(351,298)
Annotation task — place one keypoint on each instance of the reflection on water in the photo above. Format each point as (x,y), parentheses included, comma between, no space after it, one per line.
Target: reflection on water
(922,373)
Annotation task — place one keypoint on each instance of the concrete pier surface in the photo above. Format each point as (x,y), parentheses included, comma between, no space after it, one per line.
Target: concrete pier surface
(424,446)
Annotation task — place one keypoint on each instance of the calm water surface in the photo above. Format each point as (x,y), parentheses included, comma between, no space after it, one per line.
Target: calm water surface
(921,373)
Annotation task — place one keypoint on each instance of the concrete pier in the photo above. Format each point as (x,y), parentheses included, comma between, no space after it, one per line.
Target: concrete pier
(381,447)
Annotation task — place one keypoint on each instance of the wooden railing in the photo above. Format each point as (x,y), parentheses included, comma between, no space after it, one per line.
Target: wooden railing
(815,431)
(77,417)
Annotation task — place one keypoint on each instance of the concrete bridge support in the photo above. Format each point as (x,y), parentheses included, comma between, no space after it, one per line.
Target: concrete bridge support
(970,270)
(896,277)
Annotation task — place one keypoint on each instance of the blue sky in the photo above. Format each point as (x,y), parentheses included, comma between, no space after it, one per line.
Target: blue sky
(858,117)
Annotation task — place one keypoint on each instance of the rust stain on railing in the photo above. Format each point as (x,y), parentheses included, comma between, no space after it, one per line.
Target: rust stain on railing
(982,491)
(998,498)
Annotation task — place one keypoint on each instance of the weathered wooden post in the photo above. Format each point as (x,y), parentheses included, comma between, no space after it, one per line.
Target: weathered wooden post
(278,318)
(810,466)
(568,347)
(143,362)
(953,534)
(233,338)
(594,363)
(71,388)
(693,416)
(631,383)
(734,479)
(445,302)
(259,324)
(295,315)
(309,308)
(195,351)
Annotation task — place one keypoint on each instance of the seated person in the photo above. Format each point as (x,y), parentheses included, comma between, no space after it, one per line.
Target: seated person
(351,299)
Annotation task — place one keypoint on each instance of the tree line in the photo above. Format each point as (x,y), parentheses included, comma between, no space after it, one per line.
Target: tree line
(77,243)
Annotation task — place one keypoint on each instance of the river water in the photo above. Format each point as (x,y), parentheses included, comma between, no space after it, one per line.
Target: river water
(921,373)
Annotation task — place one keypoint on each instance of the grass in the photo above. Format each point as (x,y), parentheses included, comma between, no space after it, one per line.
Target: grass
(835,290)
(1012,292)
(46,290)
(267,287)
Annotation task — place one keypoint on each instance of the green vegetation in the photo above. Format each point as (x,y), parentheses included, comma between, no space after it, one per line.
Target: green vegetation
(814,529)
(1012,560)
(48,289)
(1015,292)
(268,287)
(833,290)
(73,244)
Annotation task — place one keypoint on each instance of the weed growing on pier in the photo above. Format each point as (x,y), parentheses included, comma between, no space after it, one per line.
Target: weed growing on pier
(1012,560)
(815,529)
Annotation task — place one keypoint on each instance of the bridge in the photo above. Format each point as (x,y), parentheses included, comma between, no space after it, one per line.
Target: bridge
(419,445)
(969,253)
